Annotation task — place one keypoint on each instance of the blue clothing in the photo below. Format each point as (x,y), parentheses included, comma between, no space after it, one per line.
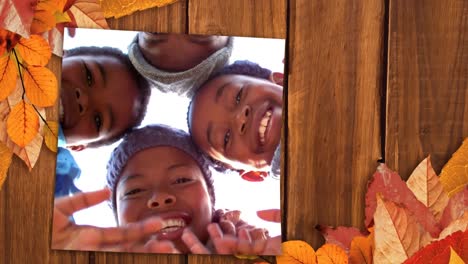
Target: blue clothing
(67,170)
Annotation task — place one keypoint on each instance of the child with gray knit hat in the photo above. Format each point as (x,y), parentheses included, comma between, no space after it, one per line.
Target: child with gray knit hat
(236,118)
(178,62)
(158,171)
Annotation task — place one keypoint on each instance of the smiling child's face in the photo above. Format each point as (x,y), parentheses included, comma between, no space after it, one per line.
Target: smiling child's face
(99,98)
(172,188)
(236,119)
(178,52)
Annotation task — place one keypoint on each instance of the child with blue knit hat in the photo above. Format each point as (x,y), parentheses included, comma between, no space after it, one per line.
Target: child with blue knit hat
(236,118)
(158,171)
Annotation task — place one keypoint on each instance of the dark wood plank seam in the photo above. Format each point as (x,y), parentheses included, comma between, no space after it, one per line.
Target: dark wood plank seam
(187,21)
(384,80)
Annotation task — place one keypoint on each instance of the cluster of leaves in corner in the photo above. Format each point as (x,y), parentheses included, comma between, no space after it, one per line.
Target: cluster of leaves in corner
(112,8)
(422,220)
(27,86)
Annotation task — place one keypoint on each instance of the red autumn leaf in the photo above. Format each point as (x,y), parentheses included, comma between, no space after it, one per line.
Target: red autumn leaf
(456,207)
(461,224)
(341,236)
(16,15)
(392,188)
(397,235)
(439,251)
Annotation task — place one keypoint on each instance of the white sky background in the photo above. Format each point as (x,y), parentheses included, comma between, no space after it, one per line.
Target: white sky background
(231,191)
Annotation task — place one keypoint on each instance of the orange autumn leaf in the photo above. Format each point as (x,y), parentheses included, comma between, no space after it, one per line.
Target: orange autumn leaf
(50,135)
(5,161)
(47,14)
(397,234)
(8,40)
(8,76)
(22,124)
(35,50)
(121,8)
(88,14)
(427,188)
(40,85)
(296,252)
(454,175)
(362,249)
(331,253)
(454,258)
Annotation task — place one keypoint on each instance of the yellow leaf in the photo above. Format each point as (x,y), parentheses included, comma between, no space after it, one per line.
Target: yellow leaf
(34,50)
(362,249)
(61,17)
(44,18)
(454,258)
(40,85)
(50,137)
(22,124)
(8,76)
(425,185)
(457,225)
(88,14)
(397,234)
(296,252)
(331,253)
(5,161)
(121,8)
(454,175)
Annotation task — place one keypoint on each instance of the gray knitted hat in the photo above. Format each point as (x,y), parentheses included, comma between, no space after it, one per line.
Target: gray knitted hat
(149,137)
(181,83)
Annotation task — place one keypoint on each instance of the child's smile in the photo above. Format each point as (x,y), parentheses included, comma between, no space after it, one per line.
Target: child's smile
(237,120)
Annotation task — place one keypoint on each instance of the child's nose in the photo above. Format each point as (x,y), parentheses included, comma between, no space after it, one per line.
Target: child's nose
(242,118)
(82,100)
(161,200)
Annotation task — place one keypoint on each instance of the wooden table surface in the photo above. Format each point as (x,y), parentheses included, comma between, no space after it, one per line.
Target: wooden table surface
(368,80)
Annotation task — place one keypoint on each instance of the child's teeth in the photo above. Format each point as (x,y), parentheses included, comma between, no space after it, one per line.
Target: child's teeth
(263,125)
(170,225)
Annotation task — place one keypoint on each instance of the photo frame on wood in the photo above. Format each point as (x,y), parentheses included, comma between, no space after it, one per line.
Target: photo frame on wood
(183,130)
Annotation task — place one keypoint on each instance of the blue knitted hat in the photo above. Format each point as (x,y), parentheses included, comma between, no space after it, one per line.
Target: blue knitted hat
(149,137)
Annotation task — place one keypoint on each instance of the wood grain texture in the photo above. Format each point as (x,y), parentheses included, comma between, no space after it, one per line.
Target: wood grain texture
(335,75)
(170,18)
(427,82)
(259,18)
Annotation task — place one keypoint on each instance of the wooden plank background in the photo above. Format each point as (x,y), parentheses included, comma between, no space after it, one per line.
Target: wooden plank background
(367,80)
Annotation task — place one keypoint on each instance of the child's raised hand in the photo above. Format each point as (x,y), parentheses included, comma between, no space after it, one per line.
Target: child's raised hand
(68,235)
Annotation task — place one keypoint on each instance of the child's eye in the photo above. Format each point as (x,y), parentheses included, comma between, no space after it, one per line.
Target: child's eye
(133,192)
(239,96)
(98,122)
(182,180)
(227,137)
(89,76)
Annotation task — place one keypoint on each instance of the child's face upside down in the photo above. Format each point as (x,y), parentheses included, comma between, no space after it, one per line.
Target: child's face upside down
(236,119)
(165,182)
(99,98)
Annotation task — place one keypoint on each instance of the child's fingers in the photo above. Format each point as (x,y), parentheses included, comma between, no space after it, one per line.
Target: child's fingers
(227,227)
(244,235)
(214,231)
(271,215)
(157,246)
(192,242)
(273,246)
(259,246)
(69,205)
(226,245)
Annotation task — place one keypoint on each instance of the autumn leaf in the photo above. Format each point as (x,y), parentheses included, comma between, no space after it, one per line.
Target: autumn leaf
(460,224)
(397,235)
(44,16)
(40,85)
(362,249)
(439,251)
(22,124)
(454,175)
(454,258)
(390,185)
(341,236)
(456,207)
(8,76)
(296,252)
(331,253)
(16,15)
(34,50)
(121,8)
(88,14)
(8,40)
(5,161)
(50,135)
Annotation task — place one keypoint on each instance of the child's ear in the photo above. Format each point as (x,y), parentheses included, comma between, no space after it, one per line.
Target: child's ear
(77,147)
(277,77)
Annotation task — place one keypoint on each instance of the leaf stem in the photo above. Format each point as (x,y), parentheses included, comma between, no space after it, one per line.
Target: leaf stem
(19,72)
